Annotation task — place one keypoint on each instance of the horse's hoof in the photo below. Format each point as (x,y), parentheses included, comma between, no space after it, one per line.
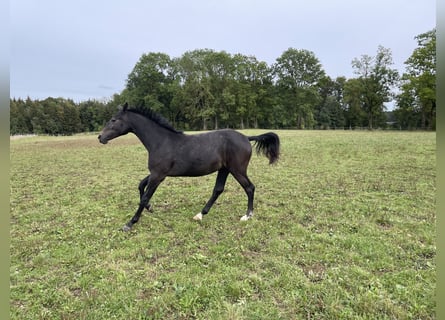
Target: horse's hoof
(198,217)
(126,228)
(149,208)
(245,218)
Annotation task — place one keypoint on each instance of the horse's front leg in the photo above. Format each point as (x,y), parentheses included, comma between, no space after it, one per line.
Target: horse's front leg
(142,185)
(152,184)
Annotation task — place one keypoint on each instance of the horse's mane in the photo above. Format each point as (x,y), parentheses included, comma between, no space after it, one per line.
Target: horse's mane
(155,117)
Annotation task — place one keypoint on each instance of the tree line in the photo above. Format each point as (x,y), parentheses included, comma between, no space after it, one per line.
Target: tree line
(206,89)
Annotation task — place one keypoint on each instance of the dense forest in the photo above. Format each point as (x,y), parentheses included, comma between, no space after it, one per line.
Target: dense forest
(205,89)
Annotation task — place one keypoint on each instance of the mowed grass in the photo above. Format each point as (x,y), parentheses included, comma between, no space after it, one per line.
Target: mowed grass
(344,228)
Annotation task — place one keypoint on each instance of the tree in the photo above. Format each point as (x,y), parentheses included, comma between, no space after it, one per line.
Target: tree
(354,113)
(418,96)
(329,112)
(91,115)
(377,80)
(71,118)
(194,96)
(20,122)
(297,73)
(148,83)
(263,90)
(220,68)
(206,89)
(250,85)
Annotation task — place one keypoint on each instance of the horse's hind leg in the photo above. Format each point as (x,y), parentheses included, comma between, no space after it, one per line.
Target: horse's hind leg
(249,188)
(142,185)
(217,190)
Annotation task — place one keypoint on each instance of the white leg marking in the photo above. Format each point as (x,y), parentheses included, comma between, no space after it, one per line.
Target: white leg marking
(198,217)
(247,216)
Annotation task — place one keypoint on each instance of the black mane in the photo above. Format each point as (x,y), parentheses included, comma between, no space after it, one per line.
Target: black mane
(155,117)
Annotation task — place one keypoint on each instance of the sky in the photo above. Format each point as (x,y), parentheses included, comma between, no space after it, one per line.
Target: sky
(85,49)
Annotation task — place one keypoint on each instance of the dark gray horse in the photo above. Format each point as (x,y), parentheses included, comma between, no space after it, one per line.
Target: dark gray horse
(173,153)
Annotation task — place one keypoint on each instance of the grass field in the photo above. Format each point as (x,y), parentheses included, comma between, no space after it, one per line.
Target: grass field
(344,228)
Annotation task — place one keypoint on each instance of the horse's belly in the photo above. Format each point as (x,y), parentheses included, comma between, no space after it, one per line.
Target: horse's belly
(199,166)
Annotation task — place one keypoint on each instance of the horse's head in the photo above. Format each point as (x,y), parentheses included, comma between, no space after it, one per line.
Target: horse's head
(117,126)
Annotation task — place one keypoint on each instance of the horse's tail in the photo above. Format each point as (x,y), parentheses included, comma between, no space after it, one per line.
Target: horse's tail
(267,144)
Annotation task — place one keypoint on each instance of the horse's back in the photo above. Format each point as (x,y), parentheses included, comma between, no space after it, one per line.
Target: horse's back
(228,143)
(227,139)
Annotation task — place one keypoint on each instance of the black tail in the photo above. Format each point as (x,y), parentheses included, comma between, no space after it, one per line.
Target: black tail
(268,144)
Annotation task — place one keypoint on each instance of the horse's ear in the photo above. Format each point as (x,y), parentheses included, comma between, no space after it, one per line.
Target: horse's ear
(125,107)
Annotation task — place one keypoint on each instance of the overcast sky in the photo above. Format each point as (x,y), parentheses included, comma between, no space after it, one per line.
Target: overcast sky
(85,49)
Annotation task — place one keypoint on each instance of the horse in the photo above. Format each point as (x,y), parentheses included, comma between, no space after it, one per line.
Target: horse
(173,153)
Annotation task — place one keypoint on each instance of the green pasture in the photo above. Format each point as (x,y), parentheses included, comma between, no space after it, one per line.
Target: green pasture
(344,228)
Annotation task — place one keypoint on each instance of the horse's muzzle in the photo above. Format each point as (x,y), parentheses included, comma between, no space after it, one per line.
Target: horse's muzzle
(102,140)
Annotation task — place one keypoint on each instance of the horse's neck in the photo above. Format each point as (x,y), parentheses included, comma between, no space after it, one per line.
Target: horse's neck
(149,133)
